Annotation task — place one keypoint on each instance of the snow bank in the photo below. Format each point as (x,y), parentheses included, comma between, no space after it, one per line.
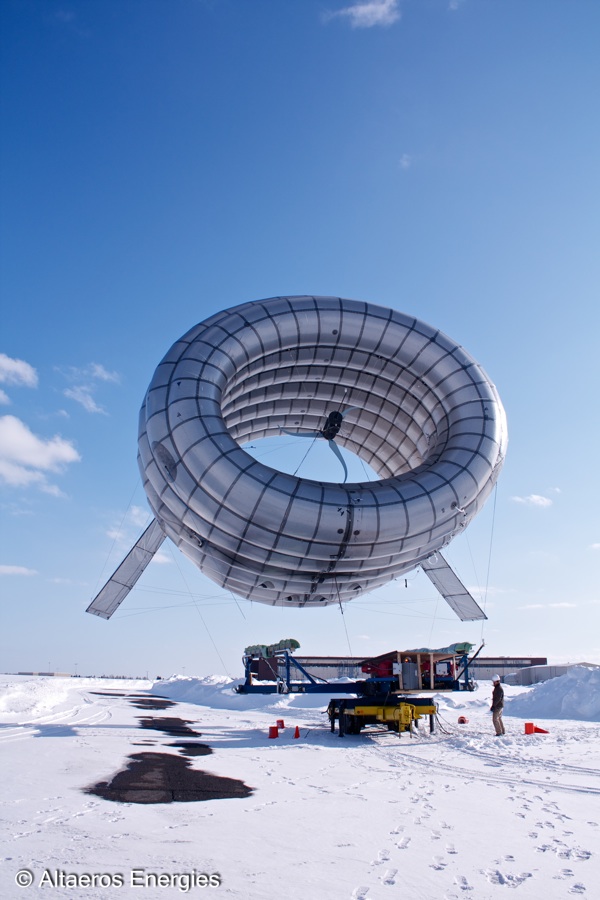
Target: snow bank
(32,697)
(24,696)
(575,695)
(218,692)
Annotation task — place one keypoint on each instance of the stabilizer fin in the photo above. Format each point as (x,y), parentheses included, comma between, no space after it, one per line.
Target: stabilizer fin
(447,582)
(125,576)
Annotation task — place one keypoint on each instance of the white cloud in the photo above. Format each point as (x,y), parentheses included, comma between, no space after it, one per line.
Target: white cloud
(52,489)
(85,381)
(162,558)
(368,13)
(16,371)
(481,593)
(139,516)
(533,500)
(83,395)
(25,458)
(405,161)
(98,371)
(595,546)
(16,570)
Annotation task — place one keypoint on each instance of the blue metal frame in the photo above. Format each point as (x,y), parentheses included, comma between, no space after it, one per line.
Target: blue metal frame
(287,686)
(365,686)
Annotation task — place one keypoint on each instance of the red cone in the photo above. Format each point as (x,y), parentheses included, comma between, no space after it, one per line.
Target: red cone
(530,728)
(297,732)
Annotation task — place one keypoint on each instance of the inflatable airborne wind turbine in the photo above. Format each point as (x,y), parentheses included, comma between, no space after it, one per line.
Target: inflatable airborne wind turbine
(398,393)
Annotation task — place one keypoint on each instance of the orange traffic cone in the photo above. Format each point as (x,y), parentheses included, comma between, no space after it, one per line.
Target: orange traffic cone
(297,732)
(530,728)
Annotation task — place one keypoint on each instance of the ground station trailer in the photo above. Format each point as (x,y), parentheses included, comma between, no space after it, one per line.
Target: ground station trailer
(388,696)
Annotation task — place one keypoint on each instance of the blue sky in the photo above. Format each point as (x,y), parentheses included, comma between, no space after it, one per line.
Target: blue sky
(163,161)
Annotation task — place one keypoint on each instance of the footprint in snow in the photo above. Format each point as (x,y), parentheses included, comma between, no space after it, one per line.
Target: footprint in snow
(403,843)
(564,852)
(577,888)
(450,848)
(382,857)
(462,882)
(495,876)
(360,893)
(564,873)
(438,863)
(390,877)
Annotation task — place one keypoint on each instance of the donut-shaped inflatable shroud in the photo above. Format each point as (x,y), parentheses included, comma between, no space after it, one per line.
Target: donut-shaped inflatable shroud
(420,411)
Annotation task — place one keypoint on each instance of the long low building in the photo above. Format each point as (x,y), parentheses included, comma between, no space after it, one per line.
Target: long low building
(537,674)
(483,668)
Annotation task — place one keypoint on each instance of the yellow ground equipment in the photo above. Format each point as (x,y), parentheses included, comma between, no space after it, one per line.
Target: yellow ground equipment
(399,713)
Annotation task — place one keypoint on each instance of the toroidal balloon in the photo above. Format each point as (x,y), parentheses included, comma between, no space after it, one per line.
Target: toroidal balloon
(404,397)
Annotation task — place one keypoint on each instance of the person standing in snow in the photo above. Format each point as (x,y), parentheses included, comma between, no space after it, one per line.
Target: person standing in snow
(497,706)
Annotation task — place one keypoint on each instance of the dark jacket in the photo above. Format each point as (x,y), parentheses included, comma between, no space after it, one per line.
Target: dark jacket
(497,697)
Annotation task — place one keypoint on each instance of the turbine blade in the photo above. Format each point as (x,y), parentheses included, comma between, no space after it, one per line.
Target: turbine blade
(337,452)
(125,576)
(310,434)
(447,582)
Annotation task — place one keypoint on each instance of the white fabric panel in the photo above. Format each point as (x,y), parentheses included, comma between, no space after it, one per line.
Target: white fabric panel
(443,577)
(123,579)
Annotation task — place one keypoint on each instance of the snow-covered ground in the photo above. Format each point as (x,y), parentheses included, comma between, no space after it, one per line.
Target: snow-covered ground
(455,814)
